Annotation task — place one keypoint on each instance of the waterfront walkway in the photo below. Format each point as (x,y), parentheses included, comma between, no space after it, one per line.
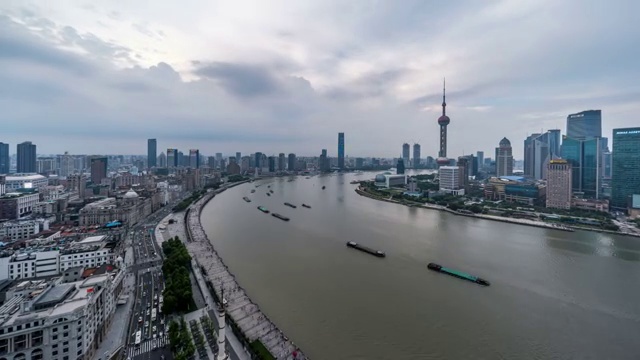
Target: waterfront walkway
(247,315)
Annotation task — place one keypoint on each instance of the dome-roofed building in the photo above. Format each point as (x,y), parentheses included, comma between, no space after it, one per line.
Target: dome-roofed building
(131,194)
(504,158)
(505,142)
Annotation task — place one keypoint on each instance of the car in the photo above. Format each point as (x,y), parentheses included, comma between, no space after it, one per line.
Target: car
(148,312)
(153,329)
(155,335)
(162,321)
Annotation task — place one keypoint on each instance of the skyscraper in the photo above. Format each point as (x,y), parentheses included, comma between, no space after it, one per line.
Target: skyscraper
(341,151)
(559,184)
(282,161)
(98,169)
(585,156)
(405,153)
(400,167)
(539,149)
(258,160)
(272,164)
(194,158)
(626,166)
(504,158)
(480,159)
(5,163)
(291,166)
(172,157)
(585,124)
(26,157)
(218,160)
(416,156)
(443,121)
(152,150)
(238,157)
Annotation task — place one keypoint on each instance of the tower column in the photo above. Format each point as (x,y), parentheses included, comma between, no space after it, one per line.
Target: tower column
(221,312)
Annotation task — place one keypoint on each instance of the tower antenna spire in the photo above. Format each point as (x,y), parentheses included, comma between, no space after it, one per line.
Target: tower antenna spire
(444,92)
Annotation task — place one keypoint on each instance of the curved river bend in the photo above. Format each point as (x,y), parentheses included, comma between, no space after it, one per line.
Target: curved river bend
(554,294)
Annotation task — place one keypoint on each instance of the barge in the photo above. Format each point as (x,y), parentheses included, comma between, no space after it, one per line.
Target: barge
(458,274)
(355,245)
(281,217)
(263,209)
(307,206)
(246,199)
(290,205)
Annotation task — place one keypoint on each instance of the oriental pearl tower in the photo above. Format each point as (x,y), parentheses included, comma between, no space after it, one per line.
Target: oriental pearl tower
(443,121)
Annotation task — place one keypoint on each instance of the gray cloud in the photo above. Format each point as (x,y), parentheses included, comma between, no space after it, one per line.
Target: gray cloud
(241,79)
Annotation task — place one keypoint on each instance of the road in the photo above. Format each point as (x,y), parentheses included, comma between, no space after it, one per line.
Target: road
(147,268)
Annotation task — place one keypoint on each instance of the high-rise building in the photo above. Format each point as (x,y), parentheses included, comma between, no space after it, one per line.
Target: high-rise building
(162,160)
(626,166)
(585,156)
(172,157)
(323,161)
(539,149)
(584,125)
(238,157)
(400,167)
(341,151)
(359,162)
(504,158)
(98,169)
(67,166)
(480,159)
(152,150)
(194,158)
(443,121)
(5,162)
(405,153)
(450,180)
(45,165)
(416,156)
(559,188)
(291,166)
(219,159)
(258,160)
(211,162)
(26,157)
(282,162)
(272,164)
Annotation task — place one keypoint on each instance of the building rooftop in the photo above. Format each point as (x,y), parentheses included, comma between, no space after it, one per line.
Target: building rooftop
(92,239)
(56,294)
(24,177)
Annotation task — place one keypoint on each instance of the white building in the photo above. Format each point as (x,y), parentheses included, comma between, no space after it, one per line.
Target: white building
(19,230)
(25,202)
(58,321)
(28,181)
(390,180)
(450,180)
(90,252)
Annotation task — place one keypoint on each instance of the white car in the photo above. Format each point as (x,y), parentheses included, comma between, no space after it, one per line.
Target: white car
(153,329)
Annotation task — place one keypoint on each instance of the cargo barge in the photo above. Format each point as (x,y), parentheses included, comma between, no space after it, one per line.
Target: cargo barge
(263,209)
(246,199)
(458,274)
(280,217)
(307,206)
(290,205)
(355,245)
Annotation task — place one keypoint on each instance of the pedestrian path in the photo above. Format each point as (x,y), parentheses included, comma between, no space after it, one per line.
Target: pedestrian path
(147,346)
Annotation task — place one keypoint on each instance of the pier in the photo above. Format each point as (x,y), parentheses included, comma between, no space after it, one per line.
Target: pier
(247,315)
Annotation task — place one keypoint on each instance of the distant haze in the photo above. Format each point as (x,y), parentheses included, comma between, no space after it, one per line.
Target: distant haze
(287,76)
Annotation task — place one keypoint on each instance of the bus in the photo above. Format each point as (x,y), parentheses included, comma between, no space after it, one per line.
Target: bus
(138,337)
(153,314)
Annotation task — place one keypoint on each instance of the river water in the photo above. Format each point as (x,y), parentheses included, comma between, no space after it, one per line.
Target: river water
(553,294)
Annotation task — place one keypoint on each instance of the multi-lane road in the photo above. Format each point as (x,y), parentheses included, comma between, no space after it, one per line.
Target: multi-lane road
(147,335)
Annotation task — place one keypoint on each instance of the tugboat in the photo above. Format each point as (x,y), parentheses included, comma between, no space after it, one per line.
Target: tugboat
(253,190)
(290,205)
(323,187)
(458,274)
(280,217)
(271,191)
(307,206)
(263,209)
(246,199)
(268,194)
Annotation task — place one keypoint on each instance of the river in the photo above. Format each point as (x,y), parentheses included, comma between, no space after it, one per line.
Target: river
(553,294)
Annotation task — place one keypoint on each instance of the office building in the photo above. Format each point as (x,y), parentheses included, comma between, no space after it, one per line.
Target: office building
(443,121)
(323,161)
(26,157)
(341,151)
(98,169)
(416,156)
(194,158)
(282,162)
(272,164)
(539,149)
(172,158)
(480,159)
(359,162)
(5,160)
(218,159)
(400,167)
(258,160)
(152,150)
(405,153)
(626,167)
(585,156)
(238,157)
(504,158)
(450,180)
(291,163)
(584,125)
(559,186)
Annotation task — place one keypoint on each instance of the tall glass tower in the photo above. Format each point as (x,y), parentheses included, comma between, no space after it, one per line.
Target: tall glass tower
(585,124)
(152,149)
(585,156)
(341,150)
(626,166)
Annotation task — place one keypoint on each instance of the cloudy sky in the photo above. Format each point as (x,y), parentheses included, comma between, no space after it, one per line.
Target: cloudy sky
(287,76)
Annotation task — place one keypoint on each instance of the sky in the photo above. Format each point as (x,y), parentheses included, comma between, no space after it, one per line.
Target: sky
(94,77)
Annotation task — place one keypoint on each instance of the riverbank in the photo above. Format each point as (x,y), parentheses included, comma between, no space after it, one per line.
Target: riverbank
(526,222)
(247,318)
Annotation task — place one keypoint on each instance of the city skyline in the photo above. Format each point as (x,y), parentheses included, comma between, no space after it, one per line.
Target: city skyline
(309,85)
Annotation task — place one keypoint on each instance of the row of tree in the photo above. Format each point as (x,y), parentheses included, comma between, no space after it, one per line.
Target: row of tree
(180,341)
(182,205)
(178,296)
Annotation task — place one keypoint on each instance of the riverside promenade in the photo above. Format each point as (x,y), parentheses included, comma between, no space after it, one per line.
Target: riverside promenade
(252,322)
